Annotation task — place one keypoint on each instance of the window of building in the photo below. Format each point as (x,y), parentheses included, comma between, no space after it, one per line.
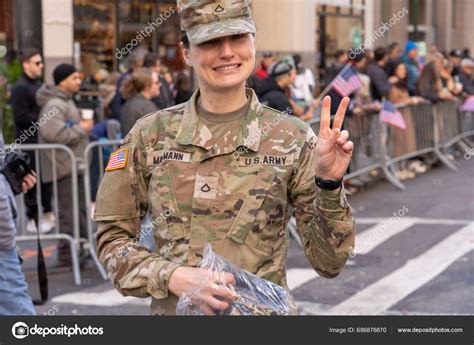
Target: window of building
(106,32)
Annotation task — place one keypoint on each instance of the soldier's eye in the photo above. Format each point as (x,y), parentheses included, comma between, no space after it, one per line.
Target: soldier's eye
(210,43)
(238,37)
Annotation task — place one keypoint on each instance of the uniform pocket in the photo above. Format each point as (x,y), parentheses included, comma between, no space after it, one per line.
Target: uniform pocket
(261,219)
(163,200)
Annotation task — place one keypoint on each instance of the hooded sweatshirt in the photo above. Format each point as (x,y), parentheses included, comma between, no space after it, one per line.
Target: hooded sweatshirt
(59,124)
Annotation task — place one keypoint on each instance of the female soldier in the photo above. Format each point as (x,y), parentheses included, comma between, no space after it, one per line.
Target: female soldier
(222,169)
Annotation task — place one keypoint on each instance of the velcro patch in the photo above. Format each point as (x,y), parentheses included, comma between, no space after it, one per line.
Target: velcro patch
(267,160)
(117,160)
(156,158)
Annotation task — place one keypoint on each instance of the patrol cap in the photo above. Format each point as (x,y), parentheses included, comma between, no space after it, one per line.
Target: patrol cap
(205,20)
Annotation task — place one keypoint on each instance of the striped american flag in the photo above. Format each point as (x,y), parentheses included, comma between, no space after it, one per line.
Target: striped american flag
(468,104)
(347,82)
(117,160)
(390,115)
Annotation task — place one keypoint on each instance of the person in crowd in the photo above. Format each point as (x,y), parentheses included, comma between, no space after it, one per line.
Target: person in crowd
(360,121)
(268,59)
(274,91)
(169,78)
(404,140)
(25,113)
(14,298)
(466,53)
(466,76)
(135,62)
(394,52)
(379,81)
(429,84)
(302,90)
(433,49)
(165,97)
(109,88)
(455,57)
(449,82)
(331,72)
(184,89)
(410,59)
(139,88)
(64,125)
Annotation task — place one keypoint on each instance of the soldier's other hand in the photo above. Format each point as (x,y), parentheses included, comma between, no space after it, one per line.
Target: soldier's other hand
(209,291)
(28,182)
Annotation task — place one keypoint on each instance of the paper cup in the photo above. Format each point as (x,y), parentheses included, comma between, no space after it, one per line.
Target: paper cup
(87,114)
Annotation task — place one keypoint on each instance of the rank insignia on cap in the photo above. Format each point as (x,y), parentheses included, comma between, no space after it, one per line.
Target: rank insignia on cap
(117,160)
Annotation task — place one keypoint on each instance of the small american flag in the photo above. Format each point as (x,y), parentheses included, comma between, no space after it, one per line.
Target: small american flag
(390,115)
(347,82)
(468,104)
(117,160)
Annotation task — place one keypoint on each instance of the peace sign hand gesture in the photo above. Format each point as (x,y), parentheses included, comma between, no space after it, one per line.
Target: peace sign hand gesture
(333,150)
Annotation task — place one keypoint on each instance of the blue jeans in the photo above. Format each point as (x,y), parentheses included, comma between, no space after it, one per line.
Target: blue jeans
(14,298)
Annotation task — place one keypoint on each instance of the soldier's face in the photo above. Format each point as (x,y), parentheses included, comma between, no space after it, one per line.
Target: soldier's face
(223,63)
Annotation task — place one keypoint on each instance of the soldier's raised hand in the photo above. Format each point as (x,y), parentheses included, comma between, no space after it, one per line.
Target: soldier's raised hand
(333,148)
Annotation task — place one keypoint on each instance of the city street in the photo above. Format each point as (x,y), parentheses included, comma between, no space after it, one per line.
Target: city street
(417,263)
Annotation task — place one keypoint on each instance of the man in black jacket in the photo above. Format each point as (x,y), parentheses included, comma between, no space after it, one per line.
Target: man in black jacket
(26,112)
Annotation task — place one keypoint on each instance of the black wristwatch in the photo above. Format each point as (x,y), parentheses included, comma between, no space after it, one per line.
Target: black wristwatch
(328,184)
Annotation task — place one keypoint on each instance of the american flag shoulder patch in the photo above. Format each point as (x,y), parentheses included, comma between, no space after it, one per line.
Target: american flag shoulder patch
(118,160)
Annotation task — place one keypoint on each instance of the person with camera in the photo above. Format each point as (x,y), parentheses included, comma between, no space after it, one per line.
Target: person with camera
(14,298)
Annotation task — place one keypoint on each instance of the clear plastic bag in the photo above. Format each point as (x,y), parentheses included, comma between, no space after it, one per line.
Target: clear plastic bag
(254,295)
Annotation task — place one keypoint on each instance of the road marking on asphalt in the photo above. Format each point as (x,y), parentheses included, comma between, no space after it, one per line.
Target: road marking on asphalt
(365,242)
(363,220)
(108,298)
(386,292)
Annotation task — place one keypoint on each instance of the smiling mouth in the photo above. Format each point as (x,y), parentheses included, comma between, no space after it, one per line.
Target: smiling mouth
(227,67)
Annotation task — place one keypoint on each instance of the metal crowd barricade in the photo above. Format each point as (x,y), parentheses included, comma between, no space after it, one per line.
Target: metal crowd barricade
(418,139)
(467,128)
(369,137)
(100,157)
(436,128)
(75,240)
(446,130)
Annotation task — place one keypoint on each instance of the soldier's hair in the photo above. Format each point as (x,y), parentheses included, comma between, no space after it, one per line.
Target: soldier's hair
(185,40)
(136,82)
(27,53)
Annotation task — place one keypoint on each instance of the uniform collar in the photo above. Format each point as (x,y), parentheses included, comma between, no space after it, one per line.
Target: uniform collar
(250,130)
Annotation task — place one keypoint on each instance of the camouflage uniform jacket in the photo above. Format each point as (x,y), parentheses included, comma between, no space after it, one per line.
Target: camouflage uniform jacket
(236,192)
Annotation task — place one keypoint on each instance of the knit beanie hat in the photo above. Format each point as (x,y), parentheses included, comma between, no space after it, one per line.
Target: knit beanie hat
(63,71)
